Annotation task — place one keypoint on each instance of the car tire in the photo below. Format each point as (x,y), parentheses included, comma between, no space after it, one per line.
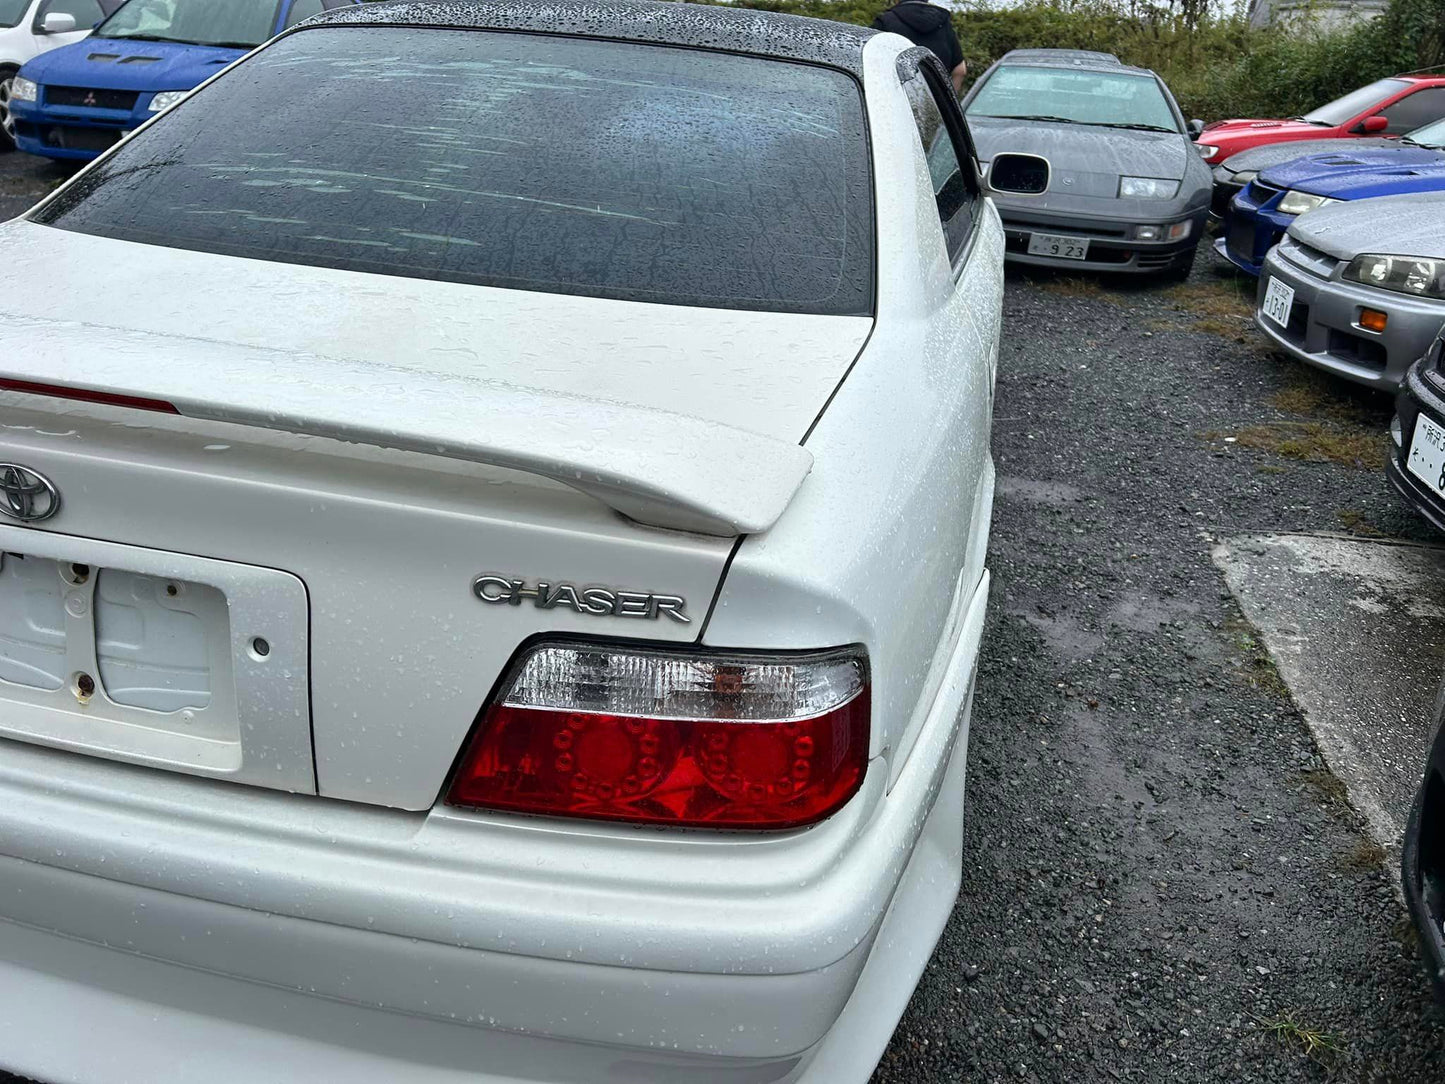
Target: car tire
(7,122)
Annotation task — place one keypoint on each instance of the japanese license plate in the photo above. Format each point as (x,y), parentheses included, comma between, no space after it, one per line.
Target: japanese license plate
(1278,301)
(1059,245)
(1427,454)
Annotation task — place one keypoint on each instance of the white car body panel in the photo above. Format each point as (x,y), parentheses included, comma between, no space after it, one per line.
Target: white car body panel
(20,43)
(161,926)
(120,317)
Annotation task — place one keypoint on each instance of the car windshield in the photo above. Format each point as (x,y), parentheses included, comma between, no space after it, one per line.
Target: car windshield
(12,12)
(242,24)
(1076,96)
(1354,103)
(1430,135)
(536,162)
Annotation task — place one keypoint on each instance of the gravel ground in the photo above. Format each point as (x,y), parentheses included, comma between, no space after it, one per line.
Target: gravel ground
(23,180)
(1160,881)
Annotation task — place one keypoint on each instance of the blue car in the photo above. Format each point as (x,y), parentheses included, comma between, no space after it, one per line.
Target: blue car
(1259,216)
(76,102)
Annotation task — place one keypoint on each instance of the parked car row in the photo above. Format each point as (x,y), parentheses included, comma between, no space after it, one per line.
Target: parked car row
(1341,215)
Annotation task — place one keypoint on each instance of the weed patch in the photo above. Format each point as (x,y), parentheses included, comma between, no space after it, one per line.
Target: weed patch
(1314,442)
(1317,1045)
(1365,856)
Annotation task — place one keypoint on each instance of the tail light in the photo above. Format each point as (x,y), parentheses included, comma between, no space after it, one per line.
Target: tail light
(652,736)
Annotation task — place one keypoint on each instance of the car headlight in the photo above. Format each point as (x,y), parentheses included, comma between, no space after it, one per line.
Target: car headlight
(1147,188)
(1206,151)
(166,98)
(1297,203)
(1416,275)
(24,90)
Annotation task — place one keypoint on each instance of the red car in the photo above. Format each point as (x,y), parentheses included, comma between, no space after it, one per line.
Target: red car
(1390,107)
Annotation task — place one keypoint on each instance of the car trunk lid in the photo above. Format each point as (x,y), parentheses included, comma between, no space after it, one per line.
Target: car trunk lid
(676,416)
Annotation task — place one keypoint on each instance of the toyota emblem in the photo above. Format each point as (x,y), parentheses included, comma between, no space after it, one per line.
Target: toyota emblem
(25,495)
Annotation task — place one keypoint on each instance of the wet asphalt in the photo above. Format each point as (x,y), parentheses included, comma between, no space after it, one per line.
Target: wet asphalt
(1161,883)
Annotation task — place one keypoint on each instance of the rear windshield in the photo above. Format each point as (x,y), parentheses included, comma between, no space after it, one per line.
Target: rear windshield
(1355,102)
(1080,96)
(542,163)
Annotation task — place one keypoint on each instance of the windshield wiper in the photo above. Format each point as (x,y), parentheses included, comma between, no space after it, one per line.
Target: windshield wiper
(1316,123)
(1130,127)
(138,37)
(1034,116)
(229,44)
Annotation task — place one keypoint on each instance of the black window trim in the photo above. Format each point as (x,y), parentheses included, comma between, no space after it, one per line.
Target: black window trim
(923,63)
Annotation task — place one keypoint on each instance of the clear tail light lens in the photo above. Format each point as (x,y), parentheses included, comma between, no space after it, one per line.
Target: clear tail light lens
(726,740)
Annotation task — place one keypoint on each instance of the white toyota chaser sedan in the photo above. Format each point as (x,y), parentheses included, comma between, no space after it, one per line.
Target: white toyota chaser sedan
(493,502)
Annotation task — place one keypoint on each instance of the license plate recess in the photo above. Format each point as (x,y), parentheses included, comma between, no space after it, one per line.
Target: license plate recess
(169,660)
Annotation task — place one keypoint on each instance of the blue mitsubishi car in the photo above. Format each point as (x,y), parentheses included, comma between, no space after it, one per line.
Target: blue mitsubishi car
(1259,216)
(77,101)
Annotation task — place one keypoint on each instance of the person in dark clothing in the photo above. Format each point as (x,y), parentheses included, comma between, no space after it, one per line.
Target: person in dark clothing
(931,27)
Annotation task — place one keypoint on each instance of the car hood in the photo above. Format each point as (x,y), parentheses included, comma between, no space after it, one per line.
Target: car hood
(1274,154)
(1096,157)
(1396,226)
(1247,126)
(113,64)
(1344,175)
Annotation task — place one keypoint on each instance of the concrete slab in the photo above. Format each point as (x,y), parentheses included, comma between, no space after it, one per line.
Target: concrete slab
(1357,630)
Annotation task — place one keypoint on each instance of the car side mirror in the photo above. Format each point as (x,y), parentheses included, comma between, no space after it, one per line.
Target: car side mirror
(1196,128)
(57,22)
(1373,124)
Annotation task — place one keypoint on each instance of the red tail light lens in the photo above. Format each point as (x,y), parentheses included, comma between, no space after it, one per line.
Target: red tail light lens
(85,395)
(656,737)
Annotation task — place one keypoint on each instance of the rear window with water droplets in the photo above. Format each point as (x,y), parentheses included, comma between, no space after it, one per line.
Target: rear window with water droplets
(526,161)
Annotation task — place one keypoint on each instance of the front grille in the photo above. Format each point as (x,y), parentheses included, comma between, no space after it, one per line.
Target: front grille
(1220,198)
(1241,239)
(1309,259)
(81,139)
(1299,324)
(1157,261)
(1263,193)
(91,98)
(1357,350)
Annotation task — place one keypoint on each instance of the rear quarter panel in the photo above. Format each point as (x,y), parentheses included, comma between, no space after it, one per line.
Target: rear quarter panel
(885,541)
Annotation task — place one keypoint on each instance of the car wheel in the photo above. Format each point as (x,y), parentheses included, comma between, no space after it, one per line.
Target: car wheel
(7,121)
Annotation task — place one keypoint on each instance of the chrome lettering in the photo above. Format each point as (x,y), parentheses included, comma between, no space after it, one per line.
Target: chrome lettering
(597,601)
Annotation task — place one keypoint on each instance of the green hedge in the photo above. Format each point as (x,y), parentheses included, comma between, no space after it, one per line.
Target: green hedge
(1217,67)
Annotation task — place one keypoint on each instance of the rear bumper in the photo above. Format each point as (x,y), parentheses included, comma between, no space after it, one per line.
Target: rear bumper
(1110,248)
(1324,329)
(153,939)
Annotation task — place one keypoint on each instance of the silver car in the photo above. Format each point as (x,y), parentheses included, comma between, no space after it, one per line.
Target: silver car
(1090,162)
(1358,288)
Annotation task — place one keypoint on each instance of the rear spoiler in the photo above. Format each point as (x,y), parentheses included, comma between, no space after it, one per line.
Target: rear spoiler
(653,466)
